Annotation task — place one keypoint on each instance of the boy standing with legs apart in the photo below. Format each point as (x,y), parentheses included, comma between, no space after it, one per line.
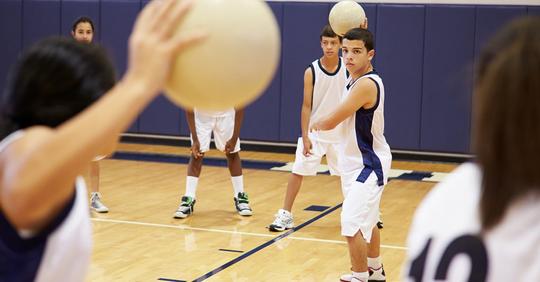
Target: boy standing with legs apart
(365,157)
(323,86)
(225,125)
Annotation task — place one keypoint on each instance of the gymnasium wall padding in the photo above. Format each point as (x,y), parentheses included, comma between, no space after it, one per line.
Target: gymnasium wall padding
(262,118)
(11,38)
(425,54)
(116,21)
(401,67)
(41,18)
(447,78)
(302,24)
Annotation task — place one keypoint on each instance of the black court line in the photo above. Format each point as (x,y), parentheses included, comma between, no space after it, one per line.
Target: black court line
(316,208)
(264,245)
(171,280)
(232,251)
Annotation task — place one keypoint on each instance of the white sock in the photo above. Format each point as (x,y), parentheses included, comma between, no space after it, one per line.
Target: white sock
(191,186)
(238,184)
(374,263)
(362,276)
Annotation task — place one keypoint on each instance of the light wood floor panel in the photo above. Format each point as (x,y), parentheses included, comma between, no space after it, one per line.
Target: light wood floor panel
(138,240)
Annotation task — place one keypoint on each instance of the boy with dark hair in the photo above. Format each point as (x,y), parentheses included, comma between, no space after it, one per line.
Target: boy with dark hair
(365,156)
(324,80)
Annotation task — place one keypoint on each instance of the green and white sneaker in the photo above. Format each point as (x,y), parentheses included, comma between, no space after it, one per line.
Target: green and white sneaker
(187,206)
(241,203)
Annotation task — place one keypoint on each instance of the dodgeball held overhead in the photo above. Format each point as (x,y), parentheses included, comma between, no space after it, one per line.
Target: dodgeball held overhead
(236,61)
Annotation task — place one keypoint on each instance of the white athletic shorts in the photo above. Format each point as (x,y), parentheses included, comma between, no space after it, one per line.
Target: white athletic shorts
(307,166)
(360,210)
(222,127)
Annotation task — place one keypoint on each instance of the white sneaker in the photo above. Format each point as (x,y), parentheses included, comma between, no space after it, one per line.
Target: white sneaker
(375,275)
(283,221)
(350,278)
(346,277)
(96,204)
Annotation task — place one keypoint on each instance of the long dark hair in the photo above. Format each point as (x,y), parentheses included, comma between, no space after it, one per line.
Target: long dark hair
(53,81)
(507,118)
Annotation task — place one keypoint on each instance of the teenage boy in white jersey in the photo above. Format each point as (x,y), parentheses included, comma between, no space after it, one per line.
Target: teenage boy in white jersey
(323,87)
(482,223)
(365,157)
(225,126)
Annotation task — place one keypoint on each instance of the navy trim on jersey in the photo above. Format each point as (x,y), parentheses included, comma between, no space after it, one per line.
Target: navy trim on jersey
(364,138)
(313,74)
(372,109)
(350,84)
(329,73)
(20,258)
(372,163)
(313,82)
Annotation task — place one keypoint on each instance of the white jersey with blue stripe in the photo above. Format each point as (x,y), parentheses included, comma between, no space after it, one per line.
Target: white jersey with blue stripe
(365,150)
(326,96)
(59,252)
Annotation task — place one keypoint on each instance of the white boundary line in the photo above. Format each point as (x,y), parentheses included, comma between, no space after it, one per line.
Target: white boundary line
(230,232)
(180,227)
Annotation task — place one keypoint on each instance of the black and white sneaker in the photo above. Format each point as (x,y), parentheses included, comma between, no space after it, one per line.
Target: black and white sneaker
(241,202)
(187,206)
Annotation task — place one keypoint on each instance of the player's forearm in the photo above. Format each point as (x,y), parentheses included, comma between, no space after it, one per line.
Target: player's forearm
(43,176)
(304,120)
(328,123)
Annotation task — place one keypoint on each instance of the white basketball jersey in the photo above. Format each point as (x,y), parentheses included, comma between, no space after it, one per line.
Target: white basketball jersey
(326,97)
(365,149)
(444,242)
(59,252)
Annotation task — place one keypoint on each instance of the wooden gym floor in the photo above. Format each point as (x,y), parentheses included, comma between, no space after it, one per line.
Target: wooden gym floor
(138,240)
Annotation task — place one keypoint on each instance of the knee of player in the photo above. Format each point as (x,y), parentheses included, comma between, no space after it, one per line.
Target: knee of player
(232,156)
(196,162)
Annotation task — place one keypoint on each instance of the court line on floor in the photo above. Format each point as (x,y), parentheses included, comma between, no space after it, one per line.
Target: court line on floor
(171,280)
(397,174)
(264,245)
(232,232)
